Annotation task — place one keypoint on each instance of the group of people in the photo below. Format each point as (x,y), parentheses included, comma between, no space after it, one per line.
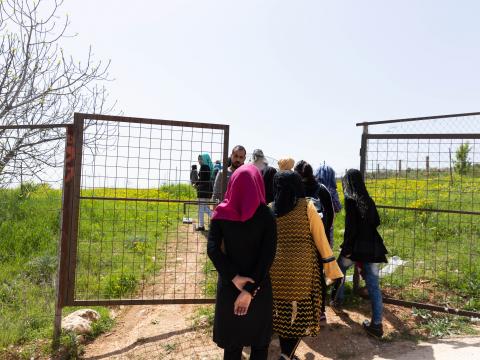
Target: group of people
(208,180)
(271,241)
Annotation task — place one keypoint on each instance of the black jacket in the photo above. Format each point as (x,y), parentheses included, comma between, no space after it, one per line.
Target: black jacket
(362,242)
(268,174)
(204,183)
(247,249)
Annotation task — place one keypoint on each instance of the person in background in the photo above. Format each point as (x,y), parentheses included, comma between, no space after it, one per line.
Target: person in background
(268,172)
(204,189)
(259,160)
(316,190)
(241,245)
(363,245)
(325,175)
(318,193)
(217,167)
(295,273)
(194,175)
(237,159)
(286,164)
(268,175)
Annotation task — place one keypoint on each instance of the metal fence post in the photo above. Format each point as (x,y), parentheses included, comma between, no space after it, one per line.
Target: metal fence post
(363,151)
(63,249)
(363,170)
(226,136)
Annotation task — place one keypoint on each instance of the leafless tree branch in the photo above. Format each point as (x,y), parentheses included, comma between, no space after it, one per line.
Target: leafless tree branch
(40,84)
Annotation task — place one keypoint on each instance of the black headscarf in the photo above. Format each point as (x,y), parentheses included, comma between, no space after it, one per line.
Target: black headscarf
(305,170)
(354,189)
(287,189)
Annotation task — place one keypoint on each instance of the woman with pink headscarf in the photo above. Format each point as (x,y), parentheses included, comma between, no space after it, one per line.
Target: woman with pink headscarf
(241,245)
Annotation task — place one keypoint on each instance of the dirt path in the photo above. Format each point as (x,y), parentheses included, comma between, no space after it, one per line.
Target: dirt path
(170,335)
(443,349)
(158,331)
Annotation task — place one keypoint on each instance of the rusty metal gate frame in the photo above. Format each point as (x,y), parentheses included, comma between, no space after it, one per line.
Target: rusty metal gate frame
(363,162)
(71,202)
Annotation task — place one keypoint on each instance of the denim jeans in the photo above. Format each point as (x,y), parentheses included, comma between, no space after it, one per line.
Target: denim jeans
(370,274)
(202,209)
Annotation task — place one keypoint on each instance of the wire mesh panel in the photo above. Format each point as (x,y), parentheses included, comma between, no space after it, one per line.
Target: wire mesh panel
(31,173)
(135,240)
(426,187)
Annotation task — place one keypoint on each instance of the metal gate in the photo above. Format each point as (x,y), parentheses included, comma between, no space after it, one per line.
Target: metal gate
(424,175)
(129,210)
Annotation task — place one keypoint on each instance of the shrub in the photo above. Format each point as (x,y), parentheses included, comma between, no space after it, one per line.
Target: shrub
(462,165)
(121,285)
(41,270)
(136,244)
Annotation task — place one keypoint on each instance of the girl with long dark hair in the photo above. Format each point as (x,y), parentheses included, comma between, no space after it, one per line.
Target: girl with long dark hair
(363,245)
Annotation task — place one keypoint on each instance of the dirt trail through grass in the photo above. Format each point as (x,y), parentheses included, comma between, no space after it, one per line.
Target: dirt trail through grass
(162,331)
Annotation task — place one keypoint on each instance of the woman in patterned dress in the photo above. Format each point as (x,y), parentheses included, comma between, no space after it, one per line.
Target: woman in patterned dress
(295,273)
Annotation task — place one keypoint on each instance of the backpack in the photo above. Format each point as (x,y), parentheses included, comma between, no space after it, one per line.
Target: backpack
(320,208)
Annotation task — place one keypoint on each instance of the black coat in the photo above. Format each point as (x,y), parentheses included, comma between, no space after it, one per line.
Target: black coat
(204,183)
(361,239)
(268,174)
(249,250)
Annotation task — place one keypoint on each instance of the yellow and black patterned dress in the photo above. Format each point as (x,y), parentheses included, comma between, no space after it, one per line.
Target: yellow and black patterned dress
(295,272)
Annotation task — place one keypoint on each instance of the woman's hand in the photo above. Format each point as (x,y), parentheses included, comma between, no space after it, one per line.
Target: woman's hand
(240,307)
(241,281)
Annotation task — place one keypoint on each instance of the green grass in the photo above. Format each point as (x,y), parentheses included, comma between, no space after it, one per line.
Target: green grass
(119,247)
(29,233)
(121,243)
(210,287)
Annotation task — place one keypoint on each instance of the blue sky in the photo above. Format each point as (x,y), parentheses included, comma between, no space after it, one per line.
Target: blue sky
(290,77)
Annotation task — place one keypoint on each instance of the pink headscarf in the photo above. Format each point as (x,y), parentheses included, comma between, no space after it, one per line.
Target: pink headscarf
(245,193)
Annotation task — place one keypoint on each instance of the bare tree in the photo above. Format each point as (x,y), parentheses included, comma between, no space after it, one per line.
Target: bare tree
(40,85)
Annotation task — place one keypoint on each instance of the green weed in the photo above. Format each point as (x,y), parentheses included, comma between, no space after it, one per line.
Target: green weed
(204,316)
(441,325)
(121,285)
